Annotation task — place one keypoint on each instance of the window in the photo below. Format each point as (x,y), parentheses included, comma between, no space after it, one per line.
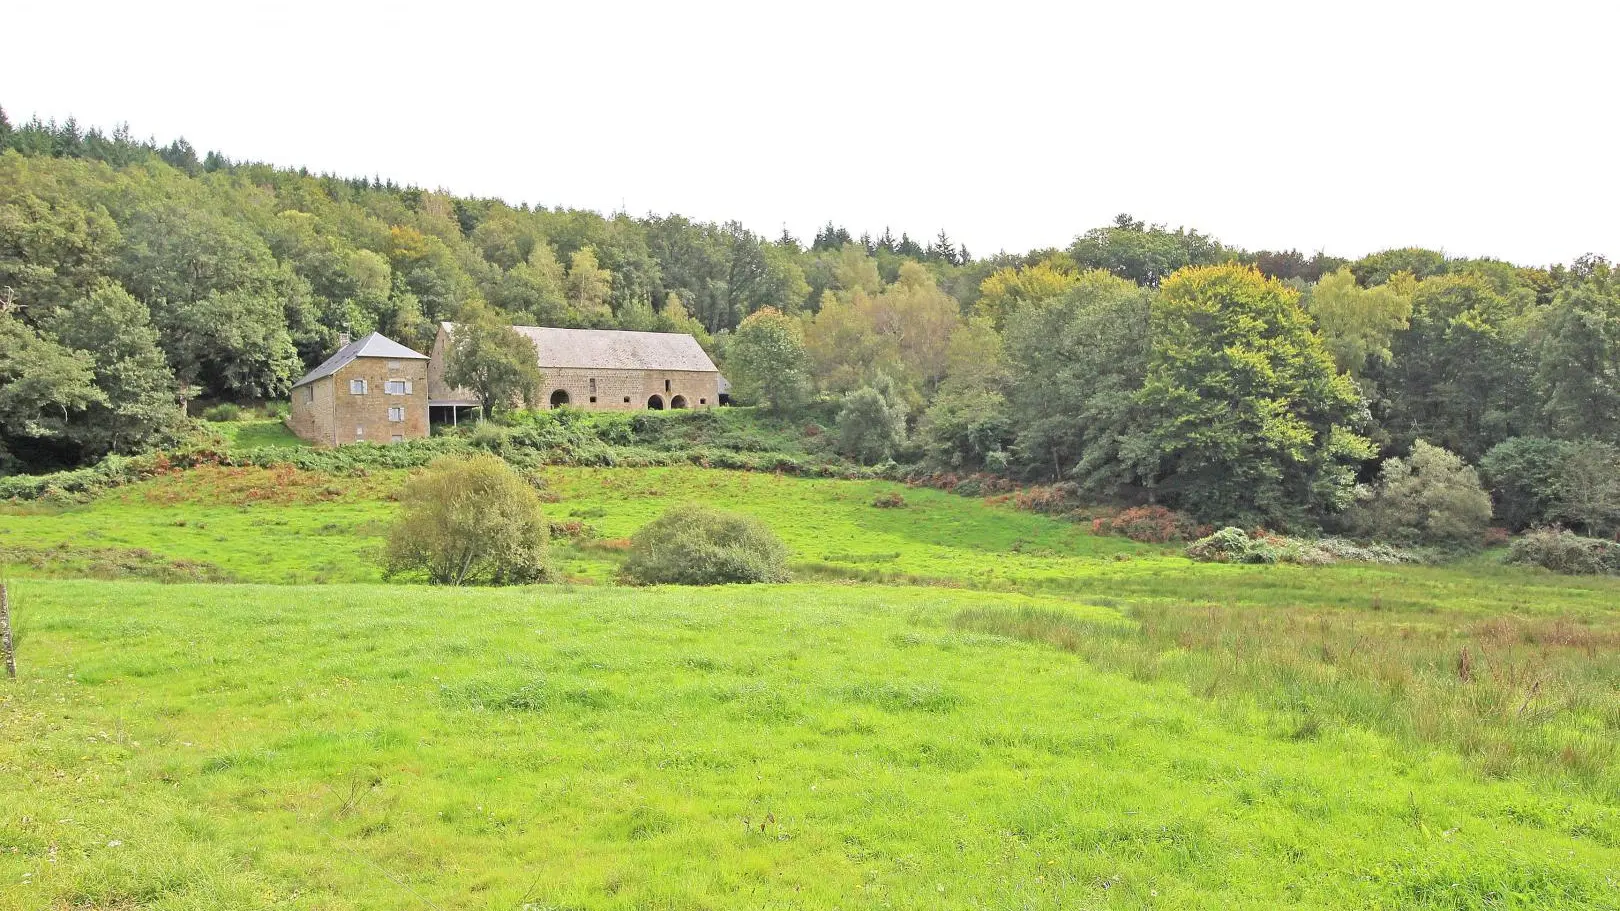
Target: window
(397,438)
(309,393)
(666,385)
(396,413)
(593,400)
(359,432)
(703,401)
(593,387)
(627,400)
(357,387)
(392,366)
(397,387)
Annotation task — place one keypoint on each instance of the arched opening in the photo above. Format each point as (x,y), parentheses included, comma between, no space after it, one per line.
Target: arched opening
(678,402)
(559,398)
(656,403)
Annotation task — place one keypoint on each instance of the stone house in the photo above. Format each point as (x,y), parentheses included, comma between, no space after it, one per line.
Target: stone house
(598,370)
(373,389)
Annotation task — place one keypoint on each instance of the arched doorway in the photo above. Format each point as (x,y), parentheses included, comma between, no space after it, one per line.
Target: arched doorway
(656,403)
(559,398)
(678,402)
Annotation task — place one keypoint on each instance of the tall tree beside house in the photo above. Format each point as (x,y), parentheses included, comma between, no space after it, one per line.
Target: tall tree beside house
(766,360)
(497,363)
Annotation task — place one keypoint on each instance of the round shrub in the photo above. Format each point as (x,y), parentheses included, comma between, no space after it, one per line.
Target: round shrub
(469,521)
(698,545)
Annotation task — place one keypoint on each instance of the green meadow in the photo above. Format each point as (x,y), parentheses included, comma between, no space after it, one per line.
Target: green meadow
(220,705)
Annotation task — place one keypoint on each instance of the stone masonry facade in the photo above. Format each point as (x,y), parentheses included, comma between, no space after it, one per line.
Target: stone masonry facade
(327,411)
(598,389)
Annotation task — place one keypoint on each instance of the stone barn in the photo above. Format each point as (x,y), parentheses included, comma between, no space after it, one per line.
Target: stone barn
(373,389)
(598,370)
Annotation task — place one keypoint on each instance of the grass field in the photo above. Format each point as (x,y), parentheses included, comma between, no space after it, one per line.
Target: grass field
(1022,715)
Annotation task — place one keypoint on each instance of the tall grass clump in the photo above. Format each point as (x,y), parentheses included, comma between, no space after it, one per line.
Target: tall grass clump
(1512,694)
(698,545)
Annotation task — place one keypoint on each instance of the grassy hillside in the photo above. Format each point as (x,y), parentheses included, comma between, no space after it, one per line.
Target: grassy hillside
(1021,714)
(799,747)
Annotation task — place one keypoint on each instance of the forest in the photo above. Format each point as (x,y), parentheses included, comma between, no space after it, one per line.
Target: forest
(1139,364)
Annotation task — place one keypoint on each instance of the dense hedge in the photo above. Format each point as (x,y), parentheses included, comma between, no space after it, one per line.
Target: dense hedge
(739,439)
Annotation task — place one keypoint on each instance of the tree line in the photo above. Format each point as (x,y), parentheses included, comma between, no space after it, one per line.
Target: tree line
(1140,362)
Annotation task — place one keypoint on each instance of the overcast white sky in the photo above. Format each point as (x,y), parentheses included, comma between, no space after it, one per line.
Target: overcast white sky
(1480,128)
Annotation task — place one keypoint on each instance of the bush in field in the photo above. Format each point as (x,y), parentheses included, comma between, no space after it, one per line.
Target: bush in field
(698,545)
(1566,552)
(1147,524)
(870,426)
(1229,545)
(1234,545)
(469,521)
(224,411)
(1431,497)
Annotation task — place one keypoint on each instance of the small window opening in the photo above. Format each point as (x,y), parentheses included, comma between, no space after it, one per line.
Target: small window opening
(593,400)
(666,385)
(703,401)
(627,400)
(397,438)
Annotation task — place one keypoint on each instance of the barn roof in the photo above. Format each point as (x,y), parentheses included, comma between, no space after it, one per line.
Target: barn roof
(374,345)
(615,349)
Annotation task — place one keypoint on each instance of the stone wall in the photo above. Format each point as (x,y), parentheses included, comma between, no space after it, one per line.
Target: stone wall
(365,417)
(630,390)
(325,412)
(310,414)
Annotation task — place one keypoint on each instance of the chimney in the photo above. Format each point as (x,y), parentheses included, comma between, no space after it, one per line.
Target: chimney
(343,340)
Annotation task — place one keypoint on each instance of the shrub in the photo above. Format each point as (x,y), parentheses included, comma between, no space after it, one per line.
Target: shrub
(1566,552)
(1229,545)
(468,521)
(1234,545)
(1431,497)
(698,545)
(889,501)
(870,426)
(1147,524)
(224,411)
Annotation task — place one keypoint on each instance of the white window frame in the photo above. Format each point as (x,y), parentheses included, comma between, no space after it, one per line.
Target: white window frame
(397,438)
(397,387)
(396,414)
(359,431)
(357,387)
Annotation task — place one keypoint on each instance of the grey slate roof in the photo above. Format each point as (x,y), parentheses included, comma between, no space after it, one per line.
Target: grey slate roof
(615,349)
(374,345)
